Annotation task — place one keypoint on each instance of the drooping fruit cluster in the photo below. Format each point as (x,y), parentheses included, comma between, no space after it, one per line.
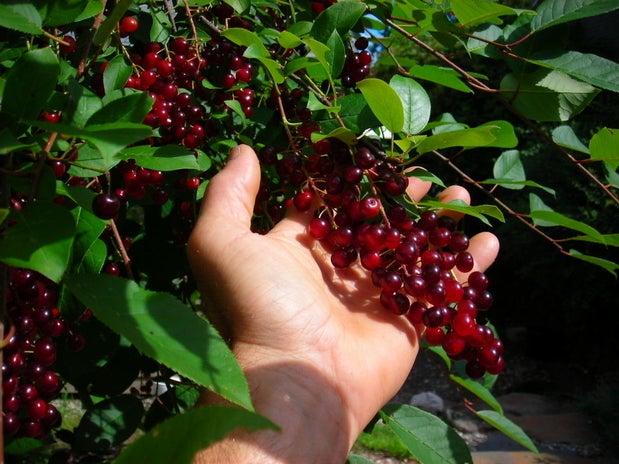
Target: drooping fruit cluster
(416,258)
(29,381)
(357,65)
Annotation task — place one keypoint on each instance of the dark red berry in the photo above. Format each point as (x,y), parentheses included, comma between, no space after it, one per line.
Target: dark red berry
(106,205)
(128,25)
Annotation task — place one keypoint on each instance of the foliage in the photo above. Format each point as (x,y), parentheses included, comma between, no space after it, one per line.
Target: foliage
(109,135)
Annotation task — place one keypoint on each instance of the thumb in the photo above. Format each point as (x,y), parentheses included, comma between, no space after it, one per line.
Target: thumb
(228,205)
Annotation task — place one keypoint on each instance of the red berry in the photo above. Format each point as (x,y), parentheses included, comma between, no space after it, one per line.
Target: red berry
(303,200)
(70,47)
(434,335)
(319,228)
(128,25)
(106,206)
(370,207)
(453,344)
(37,409)
(361,43)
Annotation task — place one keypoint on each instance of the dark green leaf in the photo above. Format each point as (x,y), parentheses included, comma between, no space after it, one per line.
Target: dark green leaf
(508,166)
(506,426)
(441,353)
(358,459)
(340,17)
(82,104)
(108,424)
(473,12)
(547,95)
(479,211)
(446,77)
(565,137)
(178,439)
(553,12)
(610,266)
(161,26)
(132,108)
(510,183)
(355,113)
(30,82)
(552,218)
(20,16)
(384,102)
(239,5)
(61,12)
(479,391)
(336,54)
(415,102)
(163,328)
(116,74)
(422,174)
(9,144)
(40,240)
(23,445)
(165,158)
(235,106)
(106,28)
(609,239)
(93,259)
(428,438)
(117,374)
(90,163)
(93,8)
(586,67)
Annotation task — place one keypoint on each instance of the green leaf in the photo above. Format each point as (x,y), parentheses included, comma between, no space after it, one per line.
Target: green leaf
(358,459)
(504,135)
(235,106)
(61,12)
(604,146)
(89,252)
(509,166)
(336,54)
(506,426)
(384,102)
(341,133)
(108,138)
(8,142)
(422,174)
(441,353)
(552,219)
(93,259)
(300,28)
(553,12)
(479,391)
(116,74)
(473,12)
(518,184)
(547,95)
(93,8)
(479,211)
(90,163)
(246,38)
(415,102)
(537,204)
(586,67)
(476,45)
(565,137)
(446,77)
(178,439)
(340,17)
(30,83)
(20,16)
(289,40)
(108,424)
(162,327)
(609,239)
(22,446)
(165,158)
(482,136)
(131,108)
(161,26)
(273,67)
(239,5)
(81,105)
(40,240)
(428,438)
(610,266)
(355,113)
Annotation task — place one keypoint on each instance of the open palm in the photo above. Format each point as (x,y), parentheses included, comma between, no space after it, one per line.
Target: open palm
(280,293)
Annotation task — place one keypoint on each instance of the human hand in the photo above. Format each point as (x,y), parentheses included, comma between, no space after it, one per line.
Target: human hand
(321,354)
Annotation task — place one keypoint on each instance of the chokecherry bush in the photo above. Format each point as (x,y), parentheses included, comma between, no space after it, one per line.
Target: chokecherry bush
(114,116)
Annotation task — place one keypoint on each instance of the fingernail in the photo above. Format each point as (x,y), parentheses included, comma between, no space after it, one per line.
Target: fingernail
(234,153)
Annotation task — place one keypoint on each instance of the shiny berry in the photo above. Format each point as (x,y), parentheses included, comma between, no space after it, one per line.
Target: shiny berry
(128,25)
(106,205)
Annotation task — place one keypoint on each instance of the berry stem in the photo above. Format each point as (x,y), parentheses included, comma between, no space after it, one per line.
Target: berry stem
(54,38)
(191,23)
(121,248)
(81,67)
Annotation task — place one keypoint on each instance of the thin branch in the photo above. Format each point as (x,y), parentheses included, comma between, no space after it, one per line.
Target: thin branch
(510,211)
(81,67)
(54,38)
(191,23)
(209,24)
(285,122)
(169,6)
(42,157)
(121,248)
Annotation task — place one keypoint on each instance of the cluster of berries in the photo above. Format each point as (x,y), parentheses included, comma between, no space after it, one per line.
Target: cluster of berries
(29,381)
(357,65)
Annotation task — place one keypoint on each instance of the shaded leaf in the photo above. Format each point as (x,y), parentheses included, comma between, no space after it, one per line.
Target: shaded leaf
(116,74)
(610,266)
(20,16)
(165,158)
(609,239)
(340,17)
(355,113)
(161,327)
(478,211)
(178,439)
(604,146)
(506,426)
(553,12)
(479,391)
(565,137)
(552,218)
(131,108)
(336,54)
(40,240)
(519,183)
(508,166)
(341,133)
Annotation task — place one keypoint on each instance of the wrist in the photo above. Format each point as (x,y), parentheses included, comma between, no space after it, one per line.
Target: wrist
(315,423)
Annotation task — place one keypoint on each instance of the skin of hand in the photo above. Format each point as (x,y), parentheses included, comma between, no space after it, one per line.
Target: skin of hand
(321,354)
